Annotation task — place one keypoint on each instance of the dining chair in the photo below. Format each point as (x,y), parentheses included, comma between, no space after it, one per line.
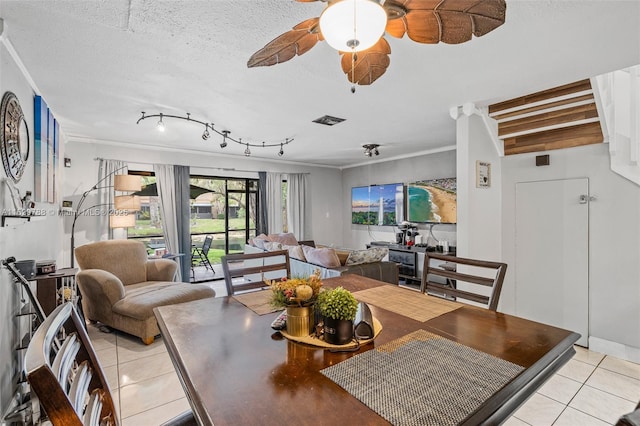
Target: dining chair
(251,271)
(65,374)
(456,278)
(200,255)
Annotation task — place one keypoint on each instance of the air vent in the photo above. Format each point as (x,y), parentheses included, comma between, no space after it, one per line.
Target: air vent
(328,120)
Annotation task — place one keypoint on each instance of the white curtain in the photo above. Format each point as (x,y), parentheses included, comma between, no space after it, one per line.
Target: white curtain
(165,181)
(297,204)
(106,171)
(274,202)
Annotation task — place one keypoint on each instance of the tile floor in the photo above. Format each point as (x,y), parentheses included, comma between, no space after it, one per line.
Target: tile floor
(591,389)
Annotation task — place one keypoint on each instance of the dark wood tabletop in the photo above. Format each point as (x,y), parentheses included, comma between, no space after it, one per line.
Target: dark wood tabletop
(236,370)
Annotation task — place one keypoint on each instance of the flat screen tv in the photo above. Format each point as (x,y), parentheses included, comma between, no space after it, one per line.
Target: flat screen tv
(432,201)
(377,204)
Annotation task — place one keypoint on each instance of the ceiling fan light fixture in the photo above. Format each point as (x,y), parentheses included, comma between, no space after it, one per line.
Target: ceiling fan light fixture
(353,25)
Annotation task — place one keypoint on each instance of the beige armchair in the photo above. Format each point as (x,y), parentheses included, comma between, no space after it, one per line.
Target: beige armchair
(120,286)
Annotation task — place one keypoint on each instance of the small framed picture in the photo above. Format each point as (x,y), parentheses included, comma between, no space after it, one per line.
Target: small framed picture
(483,174)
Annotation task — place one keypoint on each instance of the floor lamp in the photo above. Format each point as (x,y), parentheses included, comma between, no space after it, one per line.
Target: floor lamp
(124,206)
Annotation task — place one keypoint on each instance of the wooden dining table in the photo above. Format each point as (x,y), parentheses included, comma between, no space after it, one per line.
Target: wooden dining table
(236,370)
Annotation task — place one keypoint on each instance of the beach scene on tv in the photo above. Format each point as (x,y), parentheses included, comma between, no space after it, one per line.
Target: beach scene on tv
(432,201)
(377,205)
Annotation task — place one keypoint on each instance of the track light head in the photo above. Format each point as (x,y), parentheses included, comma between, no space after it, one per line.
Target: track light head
(281,152)
(161,127)
(205,134)
(371,149)
(247,151)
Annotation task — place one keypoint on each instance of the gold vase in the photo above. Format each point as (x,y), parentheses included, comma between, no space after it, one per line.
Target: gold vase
(300,320)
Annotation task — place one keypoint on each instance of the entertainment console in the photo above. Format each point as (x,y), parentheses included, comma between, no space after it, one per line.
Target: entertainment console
(410,260)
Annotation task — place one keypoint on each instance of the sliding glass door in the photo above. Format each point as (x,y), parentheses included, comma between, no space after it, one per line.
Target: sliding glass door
(224,208)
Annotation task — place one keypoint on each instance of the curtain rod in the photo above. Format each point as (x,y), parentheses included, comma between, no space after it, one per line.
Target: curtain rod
(222,169)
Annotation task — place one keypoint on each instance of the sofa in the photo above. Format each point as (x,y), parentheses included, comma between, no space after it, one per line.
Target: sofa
(305,258)
(120,286)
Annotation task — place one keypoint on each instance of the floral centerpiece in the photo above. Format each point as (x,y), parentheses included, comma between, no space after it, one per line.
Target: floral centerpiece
(298,291)
(298,296)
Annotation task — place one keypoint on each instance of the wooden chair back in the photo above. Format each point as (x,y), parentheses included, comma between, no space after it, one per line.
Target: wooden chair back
(442,276)
(250,271)
(65,375)
(69,382)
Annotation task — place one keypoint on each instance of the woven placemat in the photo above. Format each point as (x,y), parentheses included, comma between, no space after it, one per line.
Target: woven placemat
(423,379)
(409,303)
(257,301)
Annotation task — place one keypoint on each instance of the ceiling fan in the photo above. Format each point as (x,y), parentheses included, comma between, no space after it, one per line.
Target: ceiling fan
(356,29)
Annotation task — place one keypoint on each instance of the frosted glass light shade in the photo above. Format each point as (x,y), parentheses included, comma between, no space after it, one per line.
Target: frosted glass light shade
(127,202)
(118,220)
(127,183)
(353,22)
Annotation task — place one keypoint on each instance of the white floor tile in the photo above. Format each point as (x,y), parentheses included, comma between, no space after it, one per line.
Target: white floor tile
(617,384)
(627,368)
(514,421)
(145,368)
(100,340)
(587,356)
(158,415)
(577,370)
(131,348)
(600,404)
(560,388)
(573,417)
(539,411)
(111,373)
(148,394)
(107,357)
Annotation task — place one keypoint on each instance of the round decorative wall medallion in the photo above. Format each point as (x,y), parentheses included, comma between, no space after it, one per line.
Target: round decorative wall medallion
(14,137)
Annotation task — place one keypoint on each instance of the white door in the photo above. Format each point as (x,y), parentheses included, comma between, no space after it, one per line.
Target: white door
(552,257)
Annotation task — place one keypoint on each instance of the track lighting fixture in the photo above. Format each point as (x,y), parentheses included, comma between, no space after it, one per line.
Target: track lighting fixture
(371,149)
(224,133)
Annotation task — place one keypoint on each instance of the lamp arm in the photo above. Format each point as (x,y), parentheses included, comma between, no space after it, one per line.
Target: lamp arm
(82,200)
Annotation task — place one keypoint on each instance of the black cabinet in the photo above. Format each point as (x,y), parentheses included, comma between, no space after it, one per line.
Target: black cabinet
(407,265)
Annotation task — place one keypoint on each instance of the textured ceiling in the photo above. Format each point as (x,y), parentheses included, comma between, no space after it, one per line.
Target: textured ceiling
(98,64)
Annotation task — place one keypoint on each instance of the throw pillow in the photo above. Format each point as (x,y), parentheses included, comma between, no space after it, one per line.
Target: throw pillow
(288,239)
(295,252)
(343,255)
(374,254)
(326,257)
(272,246)
(258,241)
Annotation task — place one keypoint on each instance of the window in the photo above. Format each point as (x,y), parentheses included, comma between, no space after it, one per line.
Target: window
(225,208)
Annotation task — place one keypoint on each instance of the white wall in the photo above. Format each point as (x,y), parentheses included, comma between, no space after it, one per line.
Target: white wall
(38,239)
(431,166)
(325,184)
(614,241)
(486,223)
(479,218)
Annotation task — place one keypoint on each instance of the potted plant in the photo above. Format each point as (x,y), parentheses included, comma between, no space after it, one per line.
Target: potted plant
(297,295)
(338,308)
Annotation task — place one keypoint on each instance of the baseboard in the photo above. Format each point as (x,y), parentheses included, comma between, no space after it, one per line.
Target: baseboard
(617,350)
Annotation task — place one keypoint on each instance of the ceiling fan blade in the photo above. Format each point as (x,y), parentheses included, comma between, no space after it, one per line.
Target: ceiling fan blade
(369,65)
(298,41)
(449,21)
